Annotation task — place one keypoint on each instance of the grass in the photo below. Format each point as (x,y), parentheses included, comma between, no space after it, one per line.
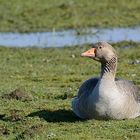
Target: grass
(52,77)
(44,15)
(37,85)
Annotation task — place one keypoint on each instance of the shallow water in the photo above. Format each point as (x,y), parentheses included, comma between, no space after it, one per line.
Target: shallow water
(69,37)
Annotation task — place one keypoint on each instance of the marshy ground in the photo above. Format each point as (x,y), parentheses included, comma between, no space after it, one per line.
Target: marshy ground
(37,85)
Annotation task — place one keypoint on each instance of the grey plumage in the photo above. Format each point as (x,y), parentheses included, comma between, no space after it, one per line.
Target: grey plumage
(106,96)
(123,85)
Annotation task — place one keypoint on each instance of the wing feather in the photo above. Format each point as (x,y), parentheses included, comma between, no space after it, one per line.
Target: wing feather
(127,87)
(88,86)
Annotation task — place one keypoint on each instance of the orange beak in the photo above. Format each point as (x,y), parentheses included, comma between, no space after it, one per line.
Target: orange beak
(90,53)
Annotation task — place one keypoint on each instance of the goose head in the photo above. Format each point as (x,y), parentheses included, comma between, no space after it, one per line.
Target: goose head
(101,51)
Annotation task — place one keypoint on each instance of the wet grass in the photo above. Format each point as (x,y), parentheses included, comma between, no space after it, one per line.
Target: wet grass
(44,15)
(52,77)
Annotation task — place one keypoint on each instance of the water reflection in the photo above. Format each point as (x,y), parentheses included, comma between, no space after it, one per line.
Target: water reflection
(69,37)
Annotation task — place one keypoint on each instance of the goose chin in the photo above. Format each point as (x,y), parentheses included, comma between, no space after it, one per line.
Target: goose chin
(96,59)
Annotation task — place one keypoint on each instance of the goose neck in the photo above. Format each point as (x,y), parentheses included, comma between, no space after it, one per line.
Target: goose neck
(109,68)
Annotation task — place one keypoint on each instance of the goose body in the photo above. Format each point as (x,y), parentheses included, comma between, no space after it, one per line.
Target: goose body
(105,96)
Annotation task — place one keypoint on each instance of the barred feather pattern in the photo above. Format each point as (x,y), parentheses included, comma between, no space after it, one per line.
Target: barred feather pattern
(109,66)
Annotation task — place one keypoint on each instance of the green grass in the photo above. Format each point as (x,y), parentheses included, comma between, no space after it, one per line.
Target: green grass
(44,15)
(52,77)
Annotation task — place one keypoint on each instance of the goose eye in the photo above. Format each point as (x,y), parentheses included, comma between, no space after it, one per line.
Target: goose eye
(100,47)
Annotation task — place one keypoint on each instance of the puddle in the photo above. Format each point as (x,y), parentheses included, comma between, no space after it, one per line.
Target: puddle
(69,37)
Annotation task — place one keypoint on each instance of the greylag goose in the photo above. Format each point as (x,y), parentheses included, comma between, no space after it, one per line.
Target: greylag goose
(106,97)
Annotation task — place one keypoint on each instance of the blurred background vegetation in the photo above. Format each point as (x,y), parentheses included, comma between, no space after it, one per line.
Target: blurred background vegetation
(44,15)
